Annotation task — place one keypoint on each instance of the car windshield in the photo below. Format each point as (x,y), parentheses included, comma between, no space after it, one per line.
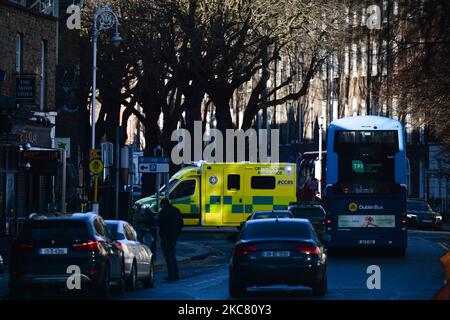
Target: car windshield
(271,214)
(41,230)
(113,230)
(276,230)
(418,205)
(307,212)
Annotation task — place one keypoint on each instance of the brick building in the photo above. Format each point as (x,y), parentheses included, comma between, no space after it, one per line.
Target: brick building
(28,58)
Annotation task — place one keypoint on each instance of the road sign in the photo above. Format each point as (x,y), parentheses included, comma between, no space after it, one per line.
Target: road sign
(96,166)
(153,167)
(153,160)
(95,154)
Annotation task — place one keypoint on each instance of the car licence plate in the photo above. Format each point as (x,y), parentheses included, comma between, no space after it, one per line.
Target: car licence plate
(276,254)
(427,220)
(366,241)
(52,251)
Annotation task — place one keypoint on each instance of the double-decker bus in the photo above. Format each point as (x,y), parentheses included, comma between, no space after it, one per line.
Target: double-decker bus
(366,184)
(307,184)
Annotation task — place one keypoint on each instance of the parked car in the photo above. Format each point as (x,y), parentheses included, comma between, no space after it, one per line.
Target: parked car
(420,214)
(49,249)
(138,258)
(2,264)
(278,251)
(314,213)
(272,214)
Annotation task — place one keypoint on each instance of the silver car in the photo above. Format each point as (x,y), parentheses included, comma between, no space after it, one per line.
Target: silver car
(138,260)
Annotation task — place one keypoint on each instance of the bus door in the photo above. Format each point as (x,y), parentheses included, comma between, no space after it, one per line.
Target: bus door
(212,199)
(233,196)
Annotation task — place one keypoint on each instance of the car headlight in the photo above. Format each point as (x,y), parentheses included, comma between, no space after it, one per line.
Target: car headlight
(145,206)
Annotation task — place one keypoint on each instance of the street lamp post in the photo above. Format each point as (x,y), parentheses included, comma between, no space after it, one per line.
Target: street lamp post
(104,19)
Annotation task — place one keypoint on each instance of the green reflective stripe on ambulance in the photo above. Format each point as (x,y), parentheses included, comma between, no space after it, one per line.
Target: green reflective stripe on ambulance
(262,200)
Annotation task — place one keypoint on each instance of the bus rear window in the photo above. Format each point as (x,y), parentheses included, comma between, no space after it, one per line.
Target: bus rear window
(366,161)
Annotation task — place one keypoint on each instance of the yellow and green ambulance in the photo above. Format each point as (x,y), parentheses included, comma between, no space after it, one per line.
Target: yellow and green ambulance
(225,194)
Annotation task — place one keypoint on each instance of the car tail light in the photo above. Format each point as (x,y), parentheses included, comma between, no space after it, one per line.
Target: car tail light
(328,221)
(308,250)
(92,270)
(242,251)
(86,246)
(119,244)
(22,247)
(403,214)
(404,221)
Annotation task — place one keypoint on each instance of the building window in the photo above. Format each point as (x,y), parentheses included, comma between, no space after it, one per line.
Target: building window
(19,53)
(363,60)
(385,11)
(355,60)
(43,75)
(374,59)
(335,65)
(385,58)
(355,106)
(346,61)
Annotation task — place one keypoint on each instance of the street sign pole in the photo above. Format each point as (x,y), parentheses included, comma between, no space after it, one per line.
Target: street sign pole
(64,181)
(158,182)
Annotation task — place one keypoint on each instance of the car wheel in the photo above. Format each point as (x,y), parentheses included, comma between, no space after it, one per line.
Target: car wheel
(149,282)
(236,288)
(320,288)
(104,288)
(132,278)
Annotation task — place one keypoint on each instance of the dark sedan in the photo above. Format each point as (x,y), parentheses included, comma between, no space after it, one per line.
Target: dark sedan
(314,213)
(50,249)
(421,215)
(278,251)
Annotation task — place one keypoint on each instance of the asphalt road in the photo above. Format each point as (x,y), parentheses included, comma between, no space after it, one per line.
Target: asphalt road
(419,275)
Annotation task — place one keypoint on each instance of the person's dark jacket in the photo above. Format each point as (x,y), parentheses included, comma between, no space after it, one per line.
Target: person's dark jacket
(170,222)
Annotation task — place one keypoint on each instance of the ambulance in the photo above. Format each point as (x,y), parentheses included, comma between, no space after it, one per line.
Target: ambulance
(225,194)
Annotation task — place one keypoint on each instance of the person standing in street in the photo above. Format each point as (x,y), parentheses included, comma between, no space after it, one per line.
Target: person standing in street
(170,223)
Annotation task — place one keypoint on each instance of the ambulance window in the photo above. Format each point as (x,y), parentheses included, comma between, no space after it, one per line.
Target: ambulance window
(234,182)
(184,189)
(264,182)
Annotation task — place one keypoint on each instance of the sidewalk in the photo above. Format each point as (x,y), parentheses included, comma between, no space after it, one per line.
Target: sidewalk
(186,251)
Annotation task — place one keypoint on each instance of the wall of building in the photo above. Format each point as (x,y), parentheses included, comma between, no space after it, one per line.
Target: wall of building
(34,29)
